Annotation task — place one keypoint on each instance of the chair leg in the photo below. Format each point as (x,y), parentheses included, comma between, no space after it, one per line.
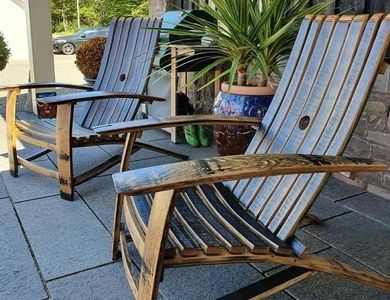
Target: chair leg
(161,150)
(11,131)
(116,253)
(64,150)
(156,234)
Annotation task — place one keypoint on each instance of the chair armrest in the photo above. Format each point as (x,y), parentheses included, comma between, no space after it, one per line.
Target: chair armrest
(95,95)
(148,124)
(45,85)
(189,173)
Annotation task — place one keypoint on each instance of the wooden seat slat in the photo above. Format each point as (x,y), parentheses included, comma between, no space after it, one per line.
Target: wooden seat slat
(177,234)
(142,210)
(232,203)
(252,241)
(205,240)
(230,242)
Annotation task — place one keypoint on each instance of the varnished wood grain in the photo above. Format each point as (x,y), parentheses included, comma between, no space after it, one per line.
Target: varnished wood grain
(64,150)
(156,234)
(11,130)
(37,85)
(95,95)
(185,174)
(149,124)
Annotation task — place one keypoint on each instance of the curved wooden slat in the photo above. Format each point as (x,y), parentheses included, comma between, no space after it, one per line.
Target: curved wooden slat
(280,107)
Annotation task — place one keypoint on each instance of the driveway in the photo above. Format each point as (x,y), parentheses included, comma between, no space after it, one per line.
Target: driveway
(65,71)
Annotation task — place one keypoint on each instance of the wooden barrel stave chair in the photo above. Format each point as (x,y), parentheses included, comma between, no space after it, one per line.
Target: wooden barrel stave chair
(247,208)
(116,96)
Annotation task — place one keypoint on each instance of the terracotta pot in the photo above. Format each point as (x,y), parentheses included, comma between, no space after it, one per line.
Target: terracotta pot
(249,101)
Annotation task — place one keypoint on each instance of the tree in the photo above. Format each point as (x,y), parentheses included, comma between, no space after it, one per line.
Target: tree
(93,12)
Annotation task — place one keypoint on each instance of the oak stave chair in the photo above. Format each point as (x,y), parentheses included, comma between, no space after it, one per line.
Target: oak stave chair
(116,96)
(246,208)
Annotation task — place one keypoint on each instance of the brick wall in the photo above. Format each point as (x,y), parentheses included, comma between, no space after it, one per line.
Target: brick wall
(371,138)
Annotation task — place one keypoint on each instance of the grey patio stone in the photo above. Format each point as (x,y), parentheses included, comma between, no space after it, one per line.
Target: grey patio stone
(3,191)
(105,282)
(154,135)
(139,155)
(65,236)
(29,185)
(325,208)
(85,158)
(193,153)
(362,238)
(335,189)
(206,282)
(370,205)
(323,286)
(19,278)
(100,195)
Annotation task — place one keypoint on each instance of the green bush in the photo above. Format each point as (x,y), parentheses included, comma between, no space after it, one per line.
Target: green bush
(5,52)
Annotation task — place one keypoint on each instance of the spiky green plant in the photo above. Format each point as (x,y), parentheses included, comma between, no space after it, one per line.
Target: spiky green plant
(251,38)
(5,52)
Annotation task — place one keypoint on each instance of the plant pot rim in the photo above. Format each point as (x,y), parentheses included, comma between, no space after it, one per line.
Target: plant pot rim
(249,90)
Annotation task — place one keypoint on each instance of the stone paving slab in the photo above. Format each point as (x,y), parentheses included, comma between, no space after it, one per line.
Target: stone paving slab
(362,238)
(99,193)
(105,282)
(325,287)
(336,189)
(65,235)
(206,282)
(3,191)
(19,278)
(325,208)
(29,185)
(371,206)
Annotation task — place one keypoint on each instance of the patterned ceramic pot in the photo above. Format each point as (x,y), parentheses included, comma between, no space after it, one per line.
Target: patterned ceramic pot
(239,101)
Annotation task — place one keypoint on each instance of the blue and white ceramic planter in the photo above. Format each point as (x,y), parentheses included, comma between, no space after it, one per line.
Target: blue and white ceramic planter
(232,140)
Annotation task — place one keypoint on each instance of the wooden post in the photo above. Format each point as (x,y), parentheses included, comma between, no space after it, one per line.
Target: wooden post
(64,149)
(40,44)
(127,149)
(158,225)
(11,131)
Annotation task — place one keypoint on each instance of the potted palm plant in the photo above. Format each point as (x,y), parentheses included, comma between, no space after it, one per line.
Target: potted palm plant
(4,52)
(250,41)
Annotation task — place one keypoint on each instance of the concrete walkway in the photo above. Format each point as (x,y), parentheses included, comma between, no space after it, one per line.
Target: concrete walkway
(55,249)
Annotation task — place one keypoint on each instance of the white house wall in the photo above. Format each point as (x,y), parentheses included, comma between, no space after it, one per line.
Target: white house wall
(13,26)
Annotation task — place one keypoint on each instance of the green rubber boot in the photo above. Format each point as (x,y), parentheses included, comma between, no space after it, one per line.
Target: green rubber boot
(203,136)
(191,136)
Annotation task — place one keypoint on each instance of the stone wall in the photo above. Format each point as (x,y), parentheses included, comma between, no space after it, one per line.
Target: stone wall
(371,138)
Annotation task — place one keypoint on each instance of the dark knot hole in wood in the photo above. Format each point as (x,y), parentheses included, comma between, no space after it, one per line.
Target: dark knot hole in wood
(122,77)
(304,122)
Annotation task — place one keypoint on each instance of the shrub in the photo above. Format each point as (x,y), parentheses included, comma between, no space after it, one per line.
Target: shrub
(89,56)
(5,52)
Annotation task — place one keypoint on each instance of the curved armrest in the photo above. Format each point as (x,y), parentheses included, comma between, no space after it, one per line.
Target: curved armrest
(148,124)
(37,85)
(189,173)
(95,95)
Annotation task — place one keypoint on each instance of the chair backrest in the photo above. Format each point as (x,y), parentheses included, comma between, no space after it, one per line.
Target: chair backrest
(125,67)
(326,83)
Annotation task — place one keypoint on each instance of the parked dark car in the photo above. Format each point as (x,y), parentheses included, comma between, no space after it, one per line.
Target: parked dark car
(68,44)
